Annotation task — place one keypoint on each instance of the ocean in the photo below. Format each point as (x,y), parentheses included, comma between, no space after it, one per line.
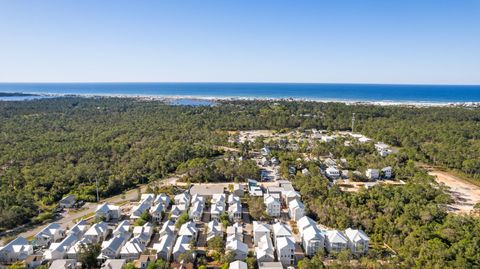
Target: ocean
(303,91)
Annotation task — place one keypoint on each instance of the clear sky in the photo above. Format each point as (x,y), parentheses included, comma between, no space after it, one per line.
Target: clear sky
(403,41)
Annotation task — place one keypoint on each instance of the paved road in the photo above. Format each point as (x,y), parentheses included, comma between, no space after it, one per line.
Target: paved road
(68,217)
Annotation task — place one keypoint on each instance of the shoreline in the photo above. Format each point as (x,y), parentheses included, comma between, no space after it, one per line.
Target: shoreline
(170,98)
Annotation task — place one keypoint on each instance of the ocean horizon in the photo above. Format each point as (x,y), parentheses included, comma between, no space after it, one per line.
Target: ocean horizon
(388,93)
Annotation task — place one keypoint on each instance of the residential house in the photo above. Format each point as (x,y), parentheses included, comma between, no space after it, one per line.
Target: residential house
(162,198)
(238,190)
(53,232)
(78,229)
(176,211)
(238,265)
(332,173)
(264,249)
(358,241)
(147,198)
(335,241)
(189,229)
(270,265)
(33,261)
(168,227)
(239,248)
(312,240)
(183,199)
(387,172)
(97,232)
(235,212)
(290,196)
(233,199)
(281,230)
(214,228)
(73,250)
(164,247)
(372,174)
(16,250)
(285,250)
(265,151)
(114,264)
(132,249)
(63,264)
(296,209)
(123,229)
(107,212)
(156,211)
(59,250)
(67,201)
(259,230)
(144,260)
(235,232)
(254,189)
(182,245)
(196,211)
(143,233)
(111,248)
(304,222)
(272,205)
(218,205)
(138,210)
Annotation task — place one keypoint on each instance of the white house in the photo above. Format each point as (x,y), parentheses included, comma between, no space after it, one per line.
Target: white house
(233,199)
(167,228)
(387,172)
(216,210)
(164,247)
(107,212)
(304,222)
(183,199)
(259,230)
(97,233)
(281,230)
(78,229)
(289,196)
(214,228)
(335,241)
(67,201)
(254,189)
(239,248)
(138,210)
(296,209)
(286,250)
(238,265)
(272,205)
(358,241)
(73,250)
(176,211)
(235,231)
(59,250)
(132,249)
(114,264)
(312,240)
(189,229)
(219,199)
(53,232)
(123,229)
(372,173)
(63,264)
(264,249)
(235,211)
(111,248)
(147,198)
(162,198)
(196,211)
(16,250)
(156,211)
(182,245)
(332,173)
(143,233)
(265,151)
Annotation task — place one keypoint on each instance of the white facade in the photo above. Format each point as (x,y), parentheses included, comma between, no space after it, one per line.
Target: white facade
(53,232)
(164,247)
(16,250)
(235,211)
(332,173)
(59,250)
(335,241)
(312,240)
(286,250)
(132,249)
(387,172)
(358,241)
(239,248)
(264,249)
(182,245)
(372,174)
(259,230)
(273,207)
(108,211)
(97,233)
(296,209)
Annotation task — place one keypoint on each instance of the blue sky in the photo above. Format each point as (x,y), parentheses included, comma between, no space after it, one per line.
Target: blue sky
(364,41)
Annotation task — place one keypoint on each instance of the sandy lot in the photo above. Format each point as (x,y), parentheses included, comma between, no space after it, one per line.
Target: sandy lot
(465,194)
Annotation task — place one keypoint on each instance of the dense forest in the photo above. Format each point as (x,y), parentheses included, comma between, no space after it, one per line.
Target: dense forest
(53,147)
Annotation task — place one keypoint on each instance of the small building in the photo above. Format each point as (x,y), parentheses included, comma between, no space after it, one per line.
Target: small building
(312,240)
(189,229)
(335,241)
(78,229)
(123,229)
(296,209)
(254,189)
(176,211)
(108,212)
(132,249)
(53,232)
(68,201)
(387,172)
(286,250)
(281,230)
(214,228)
(168,227)
(270,265)
(265,151)
(259,230)
(164,247)
(156,211)
(332,173)
(114,264)
(73,250)
(305,222)
(235,231)
(196,211)
(144,260)
(182,245)
(162,198)
(372,174)
(358,241)
(63,264)
(272,205)
(264,249)
(235,212)
(239,248)
(238,265)
(59,250)
(111,248)
(143,233)
(97,233)
(183,199)
(16,250)
(142,207)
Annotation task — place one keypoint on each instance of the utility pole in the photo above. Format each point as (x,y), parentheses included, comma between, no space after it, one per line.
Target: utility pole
(98,198)
(353,122)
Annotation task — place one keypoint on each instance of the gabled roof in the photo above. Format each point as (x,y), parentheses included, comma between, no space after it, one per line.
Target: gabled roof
(165,243)
(17,245)
(335,236)
(237,246)
(168,227)
(271,200)
(105,208)
(285,242)
(260,227)
(280,229)
(157,209)
(79,228)
(312,233)
(182,244)
(49,230)
(97,229)
(134,246)
(114,244)
(295,203)
(356,235)
(122,228)
(238,265)
(188,229)
(162,198)
(304,222)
